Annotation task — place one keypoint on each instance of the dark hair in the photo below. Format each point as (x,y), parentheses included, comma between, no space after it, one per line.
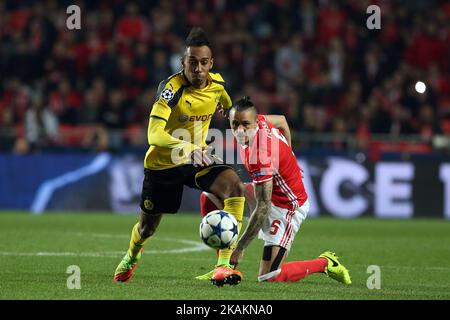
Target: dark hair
(197,38)
(243,104)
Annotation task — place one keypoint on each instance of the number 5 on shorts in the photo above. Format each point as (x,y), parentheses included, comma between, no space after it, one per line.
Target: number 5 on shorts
(274,227)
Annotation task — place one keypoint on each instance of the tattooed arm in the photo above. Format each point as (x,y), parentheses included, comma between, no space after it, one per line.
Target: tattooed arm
(263,197)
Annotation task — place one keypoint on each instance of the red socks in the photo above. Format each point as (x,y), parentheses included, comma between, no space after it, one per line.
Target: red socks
(206,204)
(296,270)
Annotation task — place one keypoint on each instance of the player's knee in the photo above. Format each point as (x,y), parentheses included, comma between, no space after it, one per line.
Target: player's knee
(233,189)
(148,224)
(236,189)
(146,232)
(240,189)
(228,184)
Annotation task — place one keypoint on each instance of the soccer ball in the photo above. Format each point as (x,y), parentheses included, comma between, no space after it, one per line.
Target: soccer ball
(219,229)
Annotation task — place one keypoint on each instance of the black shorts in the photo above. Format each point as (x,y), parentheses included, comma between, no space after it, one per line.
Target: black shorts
(162,190)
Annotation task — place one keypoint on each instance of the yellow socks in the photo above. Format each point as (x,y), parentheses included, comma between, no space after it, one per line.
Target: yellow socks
(235,206)
(136,242)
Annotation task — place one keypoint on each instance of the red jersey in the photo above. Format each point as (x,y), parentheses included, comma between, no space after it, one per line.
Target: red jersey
(269,156)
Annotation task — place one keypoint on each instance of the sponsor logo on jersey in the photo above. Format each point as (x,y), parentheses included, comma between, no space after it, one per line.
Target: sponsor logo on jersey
(201,117)
(183,118)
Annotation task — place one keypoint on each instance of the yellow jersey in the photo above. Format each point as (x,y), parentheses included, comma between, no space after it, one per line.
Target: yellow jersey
(184,107)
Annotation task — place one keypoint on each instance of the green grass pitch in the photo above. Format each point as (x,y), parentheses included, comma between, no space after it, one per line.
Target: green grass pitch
(35,252)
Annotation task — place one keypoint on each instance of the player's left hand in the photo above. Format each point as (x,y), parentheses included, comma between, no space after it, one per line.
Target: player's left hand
(200,158)
(236,257)
(224,112)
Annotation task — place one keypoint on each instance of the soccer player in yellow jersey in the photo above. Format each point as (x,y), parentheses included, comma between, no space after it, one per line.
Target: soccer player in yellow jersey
(184,107)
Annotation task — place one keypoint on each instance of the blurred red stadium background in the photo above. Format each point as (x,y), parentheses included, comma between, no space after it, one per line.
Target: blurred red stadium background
(342,86)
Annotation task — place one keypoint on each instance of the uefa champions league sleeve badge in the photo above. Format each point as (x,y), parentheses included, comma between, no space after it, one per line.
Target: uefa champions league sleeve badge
(167,94)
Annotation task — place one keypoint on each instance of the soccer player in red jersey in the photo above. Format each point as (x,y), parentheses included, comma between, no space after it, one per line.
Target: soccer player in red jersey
(277,196)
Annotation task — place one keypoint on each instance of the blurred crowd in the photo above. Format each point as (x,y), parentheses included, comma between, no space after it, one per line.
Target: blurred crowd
(314,61)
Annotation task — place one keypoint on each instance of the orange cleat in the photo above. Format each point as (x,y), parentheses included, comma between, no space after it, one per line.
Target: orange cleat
(226,275)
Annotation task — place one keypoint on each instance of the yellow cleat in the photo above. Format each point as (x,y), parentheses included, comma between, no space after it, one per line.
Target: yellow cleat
(335,269)
(206,276)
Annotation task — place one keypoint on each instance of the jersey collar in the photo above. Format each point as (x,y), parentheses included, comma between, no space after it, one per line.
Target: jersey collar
(188,83)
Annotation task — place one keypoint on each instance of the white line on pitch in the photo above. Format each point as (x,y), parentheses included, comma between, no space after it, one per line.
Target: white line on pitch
(194,246)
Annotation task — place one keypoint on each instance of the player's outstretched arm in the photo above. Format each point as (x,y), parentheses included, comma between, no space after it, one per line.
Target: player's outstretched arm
(280,123)
(263,195)
(158,137)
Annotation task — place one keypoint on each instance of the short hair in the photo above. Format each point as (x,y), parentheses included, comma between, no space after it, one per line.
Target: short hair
(244,104)
(197,38)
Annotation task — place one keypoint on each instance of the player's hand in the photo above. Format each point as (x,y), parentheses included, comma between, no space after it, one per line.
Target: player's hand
(236,257)
(200,158)
(224,112)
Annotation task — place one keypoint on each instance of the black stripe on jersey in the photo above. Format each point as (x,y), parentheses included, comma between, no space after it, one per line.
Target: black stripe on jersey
(156,117)
(161,86)
(174,75)
(176,97)
(163,83)
(222,83)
